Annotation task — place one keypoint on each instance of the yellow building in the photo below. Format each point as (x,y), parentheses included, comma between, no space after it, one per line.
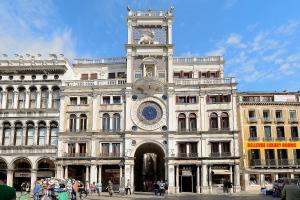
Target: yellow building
(269,139)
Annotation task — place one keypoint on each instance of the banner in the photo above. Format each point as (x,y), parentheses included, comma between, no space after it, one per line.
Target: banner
(272,145)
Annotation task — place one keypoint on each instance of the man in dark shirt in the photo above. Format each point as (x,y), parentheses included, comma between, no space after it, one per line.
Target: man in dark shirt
(7,193)
(291,191)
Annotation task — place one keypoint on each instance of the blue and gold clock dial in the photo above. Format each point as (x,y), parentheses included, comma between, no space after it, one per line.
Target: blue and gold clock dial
(149,113)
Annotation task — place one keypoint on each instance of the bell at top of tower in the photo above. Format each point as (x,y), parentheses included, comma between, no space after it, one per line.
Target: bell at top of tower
(150,27)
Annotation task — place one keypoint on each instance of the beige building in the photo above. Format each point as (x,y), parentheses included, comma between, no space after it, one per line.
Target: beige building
(269,140)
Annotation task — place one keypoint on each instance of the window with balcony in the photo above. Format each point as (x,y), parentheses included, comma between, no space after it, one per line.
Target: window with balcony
(121,75)
(71,149)
(252,133)
(278,115)
(251,115)
(182,150)
(42,132)
(280,133)
(187,75)
(270,157)
(10,98)
(116,99)
(6,134)
(56,98)
(116,150)
(105,122)
(83,101)
(212,99)
(30,131)
(72,123)
(294,133)
(254,157)
(181,122)
(176,75)
(224,121)
(192,122)
(297,156)
(106,100)
(44,97)
(266,115)
(18,134)
(116,122)
(214,148)
(33,97)
(82,149)
(267,133)
(83,122)
(53,133)
(282,157)
(111,75)
(73,101)
(292,115)
(182,100)
(22,98)
(193,149)
(105,149)
(213,121)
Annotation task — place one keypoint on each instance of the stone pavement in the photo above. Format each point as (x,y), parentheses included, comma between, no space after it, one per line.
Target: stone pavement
(185,196)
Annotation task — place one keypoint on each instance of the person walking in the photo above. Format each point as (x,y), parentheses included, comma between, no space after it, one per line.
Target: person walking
(110,188)
(161,188)
(6,192)
(36,190)
(75,190)
(128,187)
(291,191)
(156,187)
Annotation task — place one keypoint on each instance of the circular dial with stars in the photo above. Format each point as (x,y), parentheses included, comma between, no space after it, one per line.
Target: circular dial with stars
(149,113)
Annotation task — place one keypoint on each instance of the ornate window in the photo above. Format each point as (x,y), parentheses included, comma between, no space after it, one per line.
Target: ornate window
(181,122)
(6,134)
(105,122)
(44,97)
(22,98)
(213,121)
(18,134)
(116,122)
(224,120)
(10,98)
(193,122)
(30,133)
(42,132)
(56,98)
(33,97)
(83,122)
(72,123)
(53,133)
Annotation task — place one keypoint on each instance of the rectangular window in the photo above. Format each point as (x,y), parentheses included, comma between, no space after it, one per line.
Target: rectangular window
(292,115)
(267,132)
(176,75)
(193,147)
(116,99)
(116,149)
(266,115)
(204,75)
(106,100)
(82,148)
(73,101)
(225,147)
(251,114)
(105,149)
(214,147)
(182,148)
(278,114)
(138,75)
(84,76)
(191,99)
(252,132)
(294,132)
(111,75)
(186,75)
(280,132)
(182,99)
(93,76)
(212,99)
(121,75)
(83,100)
(71,149)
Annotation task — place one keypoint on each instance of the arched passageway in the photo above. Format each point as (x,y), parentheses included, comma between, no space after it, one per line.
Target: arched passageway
(22,172)
(45,168)
(3,169)
(149,166)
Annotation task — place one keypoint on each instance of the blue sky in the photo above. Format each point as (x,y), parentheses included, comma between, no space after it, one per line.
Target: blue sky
(259,39)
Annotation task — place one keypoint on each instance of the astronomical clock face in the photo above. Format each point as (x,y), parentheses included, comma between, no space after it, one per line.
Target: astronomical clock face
(148,114)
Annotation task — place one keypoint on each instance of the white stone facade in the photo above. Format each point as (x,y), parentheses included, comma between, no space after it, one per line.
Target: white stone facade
(144,117)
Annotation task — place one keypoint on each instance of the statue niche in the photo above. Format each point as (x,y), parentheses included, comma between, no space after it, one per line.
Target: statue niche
(148,37)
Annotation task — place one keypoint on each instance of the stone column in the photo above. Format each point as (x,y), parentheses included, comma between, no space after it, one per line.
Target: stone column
(66,172)
(204,177)
(10,177)
(171,178)
(121,175)
(237,178)
(100,174)
(209,179)
(246,181)
(59,172)
(262,180)
(177,179)
(276,176)
(33,177)
(292,176)
(50,99)
(87,174)
(132,178)
(230,169)
(94,173)
(198,179)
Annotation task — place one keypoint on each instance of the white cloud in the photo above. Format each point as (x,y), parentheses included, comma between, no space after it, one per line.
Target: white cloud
(28,26)
(230,3)
(288,28)
(235,40)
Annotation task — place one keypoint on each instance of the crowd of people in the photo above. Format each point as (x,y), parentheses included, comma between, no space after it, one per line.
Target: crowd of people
(160,187)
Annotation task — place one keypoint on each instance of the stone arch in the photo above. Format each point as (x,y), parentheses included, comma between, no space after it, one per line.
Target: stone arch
(150,142)
(11,164)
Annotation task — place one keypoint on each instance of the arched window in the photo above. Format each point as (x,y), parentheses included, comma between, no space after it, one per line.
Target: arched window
(6,134)
(72,123)
(22,98)
(44,97)
(1,97)
(53,133)
(116,122)
(56,98)
(213,121)
(224,120)
(18,134)
(30,133)
(83,122)
(10,98)
(193,122)
(33,97)
(105,122)
(181,122)
(42,132)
